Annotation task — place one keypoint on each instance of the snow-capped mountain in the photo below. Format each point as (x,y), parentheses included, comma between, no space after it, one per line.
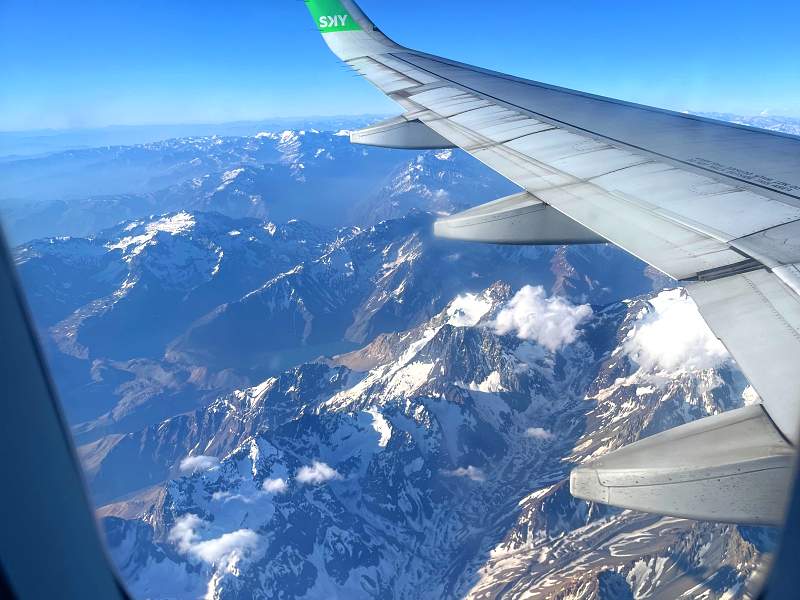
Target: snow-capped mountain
(313,175)
(310,175)
(159,315)
(440,470)
(369,281)
(109,305)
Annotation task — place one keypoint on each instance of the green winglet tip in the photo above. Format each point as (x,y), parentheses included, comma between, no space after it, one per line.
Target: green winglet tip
(330,16)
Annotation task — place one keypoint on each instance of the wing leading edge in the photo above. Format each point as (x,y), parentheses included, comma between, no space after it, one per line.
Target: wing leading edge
(713,204)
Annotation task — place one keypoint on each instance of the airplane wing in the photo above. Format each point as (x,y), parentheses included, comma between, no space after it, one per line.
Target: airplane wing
(713,204)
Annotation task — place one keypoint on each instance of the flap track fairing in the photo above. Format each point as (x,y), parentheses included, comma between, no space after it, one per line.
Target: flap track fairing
(517,219)
(400,133)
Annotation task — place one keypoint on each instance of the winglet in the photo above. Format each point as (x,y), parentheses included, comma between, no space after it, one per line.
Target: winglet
(331,16)
(347,30)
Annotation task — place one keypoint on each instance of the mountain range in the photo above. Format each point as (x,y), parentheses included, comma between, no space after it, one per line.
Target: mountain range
(282,385)
(432,463)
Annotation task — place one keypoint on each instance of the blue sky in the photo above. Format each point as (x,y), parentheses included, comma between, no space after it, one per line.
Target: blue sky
(101,62)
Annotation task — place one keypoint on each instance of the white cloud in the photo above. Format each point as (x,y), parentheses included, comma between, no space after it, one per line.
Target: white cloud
(466,310)
(225,549)
(750,396)
(317,473)
(275,486)
(674,337)
(231,497)
(270,486)
(551,322)
(470,472)
(538,433)
(183,532)
(195,464)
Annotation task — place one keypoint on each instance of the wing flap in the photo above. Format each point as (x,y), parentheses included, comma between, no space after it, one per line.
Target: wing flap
(757,317)
(500,124)
(675,248)
(691,217)
(672,247)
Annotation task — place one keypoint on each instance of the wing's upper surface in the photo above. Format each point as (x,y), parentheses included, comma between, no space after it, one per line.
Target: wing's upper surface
(703,201)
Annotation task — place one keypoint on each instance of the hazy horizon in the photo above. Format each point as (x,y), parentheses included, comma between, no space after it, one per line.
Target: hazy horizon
(22,143)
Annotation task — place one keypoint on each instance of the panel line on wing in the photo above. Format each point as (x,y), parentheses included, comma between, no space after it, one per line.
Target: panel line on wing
(783,195)
(576,93)
(710,253)
(729,212)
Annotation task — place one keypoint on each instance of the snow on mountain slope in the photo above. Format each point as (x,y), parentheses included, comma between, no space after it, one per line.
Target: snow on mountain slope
(62,274)
(564,548)
(161,314)
(216,429)
(313,175)
(110,303)
(374,281)
(306,174)
(439,472)
(439,182)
